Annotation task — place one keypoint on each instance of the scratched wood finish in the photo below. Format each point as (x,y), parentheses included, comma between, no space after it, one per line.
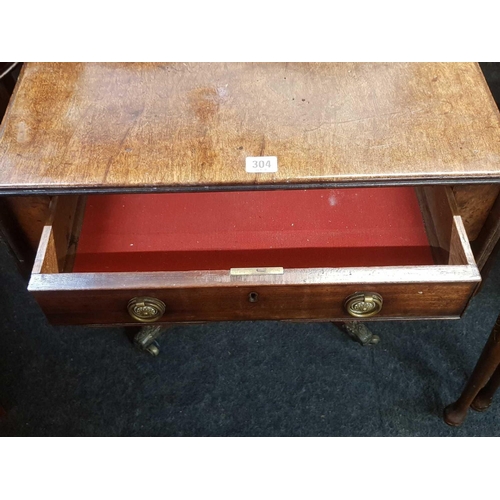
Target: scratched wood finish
(474,203)
(98,126)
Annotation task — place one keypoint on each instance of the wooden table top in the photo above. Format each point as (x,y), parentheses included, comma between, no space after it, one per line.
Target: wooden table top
(103,127)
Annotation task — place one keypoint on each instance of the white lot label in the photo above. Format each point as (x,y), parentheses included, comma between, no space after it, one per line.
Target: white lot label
(261,164)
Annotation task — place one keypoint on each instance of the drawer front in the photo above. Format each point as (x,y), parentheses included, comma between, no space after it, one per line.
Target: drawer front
(254,302)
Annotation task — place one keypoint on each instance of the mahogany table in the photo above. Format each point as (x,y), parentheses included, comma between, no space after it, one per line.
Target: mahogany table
(159,193)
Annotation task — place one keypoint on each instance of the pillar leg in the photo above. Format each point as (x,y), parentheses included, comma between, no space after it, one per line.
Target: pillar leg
(488,362)
(485,396)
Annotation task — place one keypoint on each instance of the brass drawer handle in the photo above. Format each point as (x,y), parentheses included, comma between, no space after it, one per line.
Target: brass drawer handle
(363,304)
(146,309)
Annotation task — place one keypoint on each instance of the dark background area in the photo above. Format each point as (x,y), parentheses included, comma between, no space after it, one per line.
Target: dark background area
(239,379)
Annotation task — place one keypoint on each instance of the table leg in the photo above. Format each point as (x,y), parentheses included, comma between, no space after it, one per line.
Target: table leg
(488,362)
(485,396)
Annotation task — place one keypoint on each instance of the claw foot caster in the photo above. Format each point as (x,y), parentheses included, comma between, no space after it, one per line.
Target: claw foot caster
(145,339)
(359,332)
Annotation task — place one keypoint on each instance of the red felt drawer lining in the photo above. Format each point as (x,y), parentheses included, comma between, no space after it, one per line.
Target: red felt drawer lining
(205,231)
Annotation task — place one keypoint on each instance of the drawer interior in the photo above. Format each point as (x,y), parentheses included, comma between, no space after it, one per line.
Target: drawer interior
(222,230)
(320,228)
(297,254)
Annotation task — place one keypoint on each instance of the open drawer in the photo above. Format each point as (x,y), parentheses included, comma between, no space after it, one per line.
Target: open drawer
(370,253)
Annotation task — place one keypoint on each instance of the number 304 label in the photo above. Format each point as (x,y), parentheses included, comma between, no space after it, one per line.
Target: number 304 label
(261,164)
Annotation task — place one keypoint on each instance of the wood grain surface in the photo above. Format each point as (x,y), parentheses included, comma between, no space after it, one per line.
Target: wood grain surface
(444,225)
(167,126)
(60,235)
(489,236)
(29,213)
(22,219)
(474,204)
(428,291)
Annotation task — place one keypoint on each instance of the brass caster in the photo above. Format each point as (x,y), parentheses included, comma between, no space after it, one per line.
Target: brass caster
(145,339)
(360,333)
(153,349)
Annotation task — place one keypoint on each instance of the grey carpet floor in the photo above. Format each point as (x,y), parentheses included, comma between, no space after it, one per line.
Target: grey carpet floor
(237,379)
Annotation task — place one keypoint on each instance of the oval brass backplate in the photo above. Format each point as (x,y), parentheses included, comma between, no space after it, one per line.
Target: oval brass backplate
(363,304)
(146,309)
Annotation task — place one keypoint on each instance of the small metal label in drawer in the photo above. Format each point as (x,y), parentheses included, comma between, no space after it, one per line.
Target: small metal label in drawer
(250,271)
